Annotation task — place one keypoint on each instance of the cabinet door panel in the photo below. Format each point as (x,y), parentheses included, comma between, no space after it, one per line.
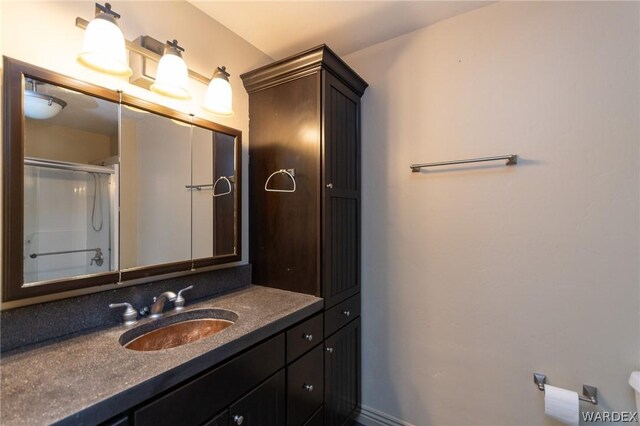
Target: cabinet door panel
(221,419)
(342,374)
(285,226)
(341,189)
(317,419)
(264,406)
(199,399)
(304,387)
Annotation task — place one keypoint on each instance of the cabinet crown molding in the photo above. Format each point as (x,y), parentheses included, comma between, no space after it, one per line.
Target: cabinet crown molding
(300,65)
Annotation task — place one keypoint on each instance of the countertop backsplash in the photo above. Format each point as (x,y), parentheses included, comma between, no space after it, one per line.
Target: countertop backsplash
(39,323)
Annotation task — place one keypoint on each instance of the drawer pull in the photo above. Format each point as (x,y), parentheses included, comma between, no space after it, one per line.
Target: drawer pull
(330,350)
(346,313)
(308,337)
(308,387)
(238,419)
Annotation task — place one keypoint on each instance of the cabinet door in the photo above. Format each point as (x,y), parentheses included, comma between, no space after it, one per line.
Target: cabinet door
(341,192)
(285,226)
(304,387)
(342,374)
(199,399)
(221,419)
(263,406)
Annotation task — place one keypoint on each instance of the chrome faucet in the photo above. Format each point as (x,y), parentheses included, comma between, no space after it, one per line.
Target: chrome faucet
(158,303)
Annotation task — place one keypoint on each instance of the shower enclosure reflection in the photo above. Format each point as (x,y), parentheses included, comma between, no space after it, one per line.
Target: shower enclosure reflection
(70,181)
(67,221)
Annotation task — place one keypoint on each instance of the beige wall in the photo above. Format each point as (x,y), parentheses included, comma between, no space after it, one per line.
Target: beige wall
(55,42)
(61,143)
(475,277)
(129,194)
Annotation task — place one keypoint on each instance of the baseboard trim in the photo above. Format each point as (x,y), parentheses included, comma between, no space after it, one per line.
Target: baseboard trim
(371,417)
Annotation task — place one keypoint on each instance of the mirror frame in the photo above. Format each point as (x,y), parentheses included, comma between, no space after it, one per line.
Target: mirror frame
(14,74)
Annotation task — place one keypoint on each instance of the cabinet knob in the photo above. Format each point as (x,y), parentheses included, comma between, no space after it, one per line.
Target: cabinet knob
(308,387)
(329,185)
(330,350)
(308,337)
(238,420)
(346,313)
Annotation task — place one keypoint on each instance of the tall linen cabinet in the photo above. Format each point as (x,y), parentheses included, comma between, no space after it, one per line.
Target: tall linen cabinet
(304,201)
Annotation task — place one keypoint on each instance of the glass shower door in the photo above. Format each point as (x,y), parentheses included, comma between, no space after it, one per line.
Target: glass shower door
(68,221)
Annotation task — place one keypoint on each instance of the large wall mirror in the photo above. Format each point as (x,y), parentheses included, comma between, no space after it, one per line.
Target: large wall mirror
(100,187)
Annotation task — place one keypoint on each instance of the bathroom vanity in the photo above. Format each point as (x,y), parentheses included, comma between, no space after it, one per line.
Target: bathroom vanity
(292,353)
(245,370)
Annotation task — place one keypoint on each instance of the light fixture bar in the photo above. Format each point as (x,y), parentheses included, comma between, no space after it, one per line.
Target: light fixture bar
(136,48)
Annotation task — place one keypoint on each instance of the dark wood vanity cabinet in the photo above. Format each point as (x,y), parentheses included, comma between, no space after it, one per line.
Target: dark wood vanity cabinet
(304,116)
(278,382)
(251,386)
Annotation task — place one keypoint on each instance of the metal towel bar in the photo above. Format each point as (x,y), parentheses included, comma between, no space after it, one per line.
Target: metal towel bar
(210,185)
(199,187)
(98,258)
(590,392)
(512,159)
(289,172)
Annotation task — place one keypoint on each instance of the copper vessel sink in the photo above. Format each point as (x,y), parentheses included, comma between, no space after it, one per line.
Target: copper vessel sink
(177,330)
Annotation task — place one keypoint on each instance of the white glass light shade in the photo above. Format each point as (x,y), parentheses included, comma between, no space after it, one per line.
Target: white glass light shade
(41,107)
(104,48)
(218,98)
(172,77)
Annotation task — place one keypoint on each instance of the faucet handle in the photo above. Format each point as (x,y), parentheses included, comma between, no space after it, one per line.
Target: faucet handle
(129,316)
(179,302)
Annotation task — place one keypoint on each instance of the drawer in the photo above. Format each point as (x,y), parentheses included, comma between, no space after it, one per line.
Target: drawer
(305,386)
(200,399)
(340,315)
(317,419)
(303,337)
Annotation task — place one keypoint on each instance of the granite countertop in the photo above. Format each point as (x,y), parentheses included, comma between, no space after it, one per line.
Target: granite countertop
(88,378)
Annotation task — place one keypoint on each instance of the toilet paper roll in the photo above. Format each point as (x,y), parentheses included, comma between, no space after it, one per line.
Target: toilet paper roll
(561,404)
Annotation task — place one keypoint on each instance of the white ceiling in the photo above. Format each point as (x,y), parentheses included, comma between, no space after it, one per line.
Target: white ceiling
(283,28)
(82,111)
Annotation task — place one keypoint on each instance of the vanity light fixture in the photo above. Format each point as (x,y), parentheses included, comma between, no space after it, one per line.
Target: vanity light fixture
(40,106)
(104,46)
(218,98)
(172,77)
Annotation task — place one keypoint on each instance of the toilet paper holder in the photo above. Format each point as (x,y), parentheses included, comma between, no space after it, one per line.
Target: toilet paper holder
(590,392)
